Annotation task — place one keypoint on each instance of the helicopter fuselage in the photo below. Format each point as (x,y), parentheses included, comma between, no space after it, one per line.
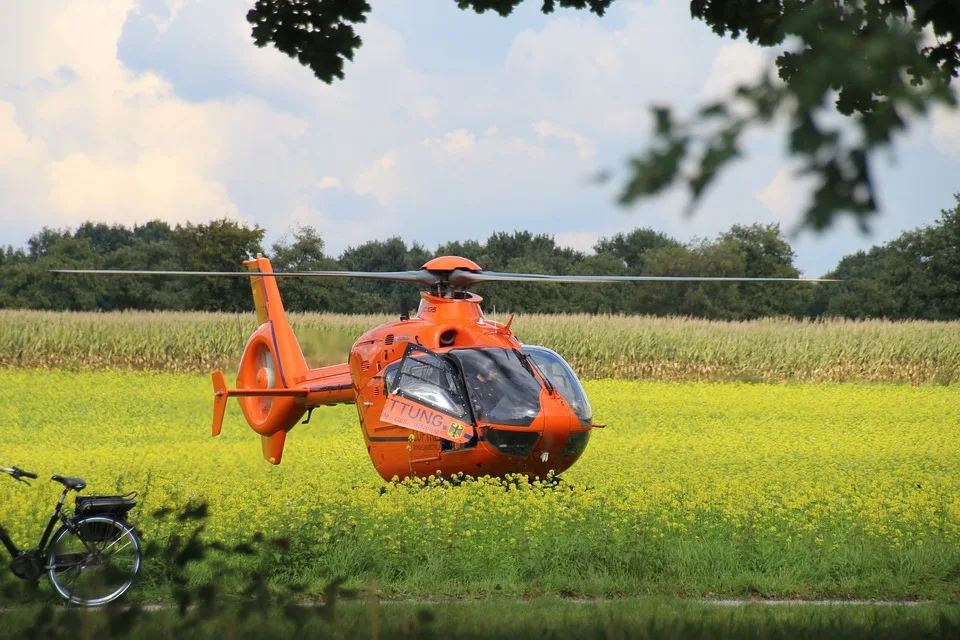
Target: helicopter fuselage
(446,328)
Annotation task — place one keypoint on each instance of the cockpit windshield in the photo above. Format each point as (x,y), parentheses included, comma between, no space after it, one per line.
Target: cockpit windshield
(501,385)
(559,373)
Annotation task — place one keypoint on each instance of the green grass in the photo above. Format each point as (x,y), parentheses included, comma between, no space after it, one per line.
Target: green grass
(497,618)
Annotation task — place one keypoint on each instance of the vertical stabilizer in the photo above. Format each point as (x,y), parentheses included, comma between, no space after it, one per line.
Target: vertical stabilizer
(266,298)
(273,446)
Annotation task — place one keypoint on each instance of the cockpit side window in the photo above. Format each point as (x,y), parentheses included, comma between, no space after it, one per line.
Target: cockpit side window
(431,379)
(559,373)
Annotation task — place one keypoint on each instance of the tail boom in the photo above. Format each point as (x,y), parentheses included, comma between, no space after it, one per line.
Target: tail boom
(275,387)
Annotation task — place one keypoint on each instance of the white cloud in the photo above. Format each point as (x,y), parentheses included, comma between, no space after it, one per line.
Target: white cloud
(734,65)
(456,143)
(777,196)
(13,141)
(329,182)
(380,180)
(601,80)
(586,148)
(90,139)
(42,37)
(579,240)
(156,185)
(785,195)
(945,133)
(463,144)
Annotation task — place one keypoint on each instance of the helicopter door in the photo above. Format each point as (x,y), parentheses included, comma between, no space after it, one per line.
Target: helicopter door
(427,395)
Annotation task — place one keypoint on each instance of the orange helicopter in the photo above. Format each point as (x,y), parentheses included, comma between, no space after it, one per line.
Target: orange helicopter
(444,392)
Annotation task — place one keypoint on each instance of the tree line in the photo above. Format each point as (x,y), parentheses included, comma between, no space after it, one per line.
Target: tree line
(915,276)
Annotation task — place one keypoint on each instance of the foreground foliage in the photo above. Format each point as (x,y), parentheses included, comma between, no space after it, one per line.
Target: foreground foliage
(693,489)
(540,618)
(629,347)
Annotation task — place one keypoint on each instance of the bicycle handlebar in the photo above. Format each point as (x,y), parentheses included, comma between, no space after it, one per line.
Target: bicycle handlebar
(19,473)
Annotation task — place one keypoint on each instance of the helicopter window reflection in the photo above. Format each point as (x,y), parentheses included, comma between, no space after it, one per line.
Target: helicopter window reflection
(431,379)
(558,372)
(502,387)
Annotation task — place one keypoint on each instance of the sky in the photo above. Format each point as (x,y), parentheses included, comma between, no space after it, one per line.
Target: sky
(448,126)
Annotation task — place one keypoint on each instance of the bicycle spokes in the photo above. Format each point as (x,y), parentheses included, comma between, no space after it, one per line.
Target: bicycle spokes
(95,561)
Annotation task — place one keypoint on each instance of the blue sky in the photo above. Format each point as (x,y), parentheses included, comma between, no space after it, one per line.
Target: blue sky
(449,126)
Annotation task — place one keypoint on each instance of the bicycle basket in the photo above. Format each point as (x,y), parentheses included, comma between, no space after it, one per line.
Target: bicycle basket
(113,506)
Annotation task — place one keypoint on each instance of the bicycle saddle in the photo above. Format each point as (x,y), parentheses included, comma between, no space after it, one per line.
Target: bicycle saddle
(77,484)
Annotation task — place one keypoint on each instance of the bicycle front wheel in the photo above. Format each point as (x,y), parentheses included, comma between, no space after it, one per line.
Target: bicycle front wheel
(93,560)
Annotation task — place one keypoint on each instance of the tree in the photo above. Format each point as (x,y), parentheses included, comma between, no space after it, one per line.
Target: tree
(603,298)
(913,276)
(501,248)
(389,255)
(220,245)
(303,251)
(864,56)
(153,231)
(522,252)
(767,254)
(105,238)
(41,243)
(34,286)
(631,248)
(146,293)
(942,257)
(11,261)
(720,300)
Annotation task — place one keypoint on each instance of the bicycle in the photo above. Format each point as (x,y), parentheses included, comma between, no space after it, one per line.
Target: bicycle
(95,555)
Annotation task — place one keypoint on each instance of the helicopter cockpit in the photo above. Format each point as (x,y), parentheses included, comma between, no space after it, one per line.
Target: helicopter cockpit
(491,384)
(496,385)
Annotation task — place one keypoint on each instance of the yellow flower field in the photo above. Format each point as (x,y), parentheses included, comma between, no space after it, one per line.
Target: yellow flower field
(804,489)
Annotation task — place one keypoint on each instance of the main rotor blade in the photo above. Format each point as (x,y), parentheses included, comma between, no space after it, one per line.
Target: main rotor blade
(461,278)
(420,277)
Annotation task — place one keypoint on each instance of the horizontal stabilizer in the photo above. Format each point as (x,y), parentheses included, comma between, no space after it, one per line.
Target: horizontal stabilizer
(221,393)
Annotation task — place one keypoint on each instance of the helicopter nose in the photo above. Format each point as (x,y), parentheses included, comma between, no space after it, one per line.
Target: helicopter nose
(558,420)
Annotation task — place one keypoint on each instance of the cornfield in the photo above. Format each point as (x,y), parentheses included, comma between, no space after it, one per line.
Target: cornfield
(625,347)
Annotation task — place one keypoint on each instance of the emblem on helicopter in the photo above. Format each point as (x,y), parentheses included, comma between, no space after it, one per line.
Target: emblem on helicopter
(455,430)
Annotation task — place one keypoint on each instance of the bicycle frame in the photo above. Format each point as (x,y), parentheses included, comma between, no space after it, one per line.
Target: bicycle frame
(55,517)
